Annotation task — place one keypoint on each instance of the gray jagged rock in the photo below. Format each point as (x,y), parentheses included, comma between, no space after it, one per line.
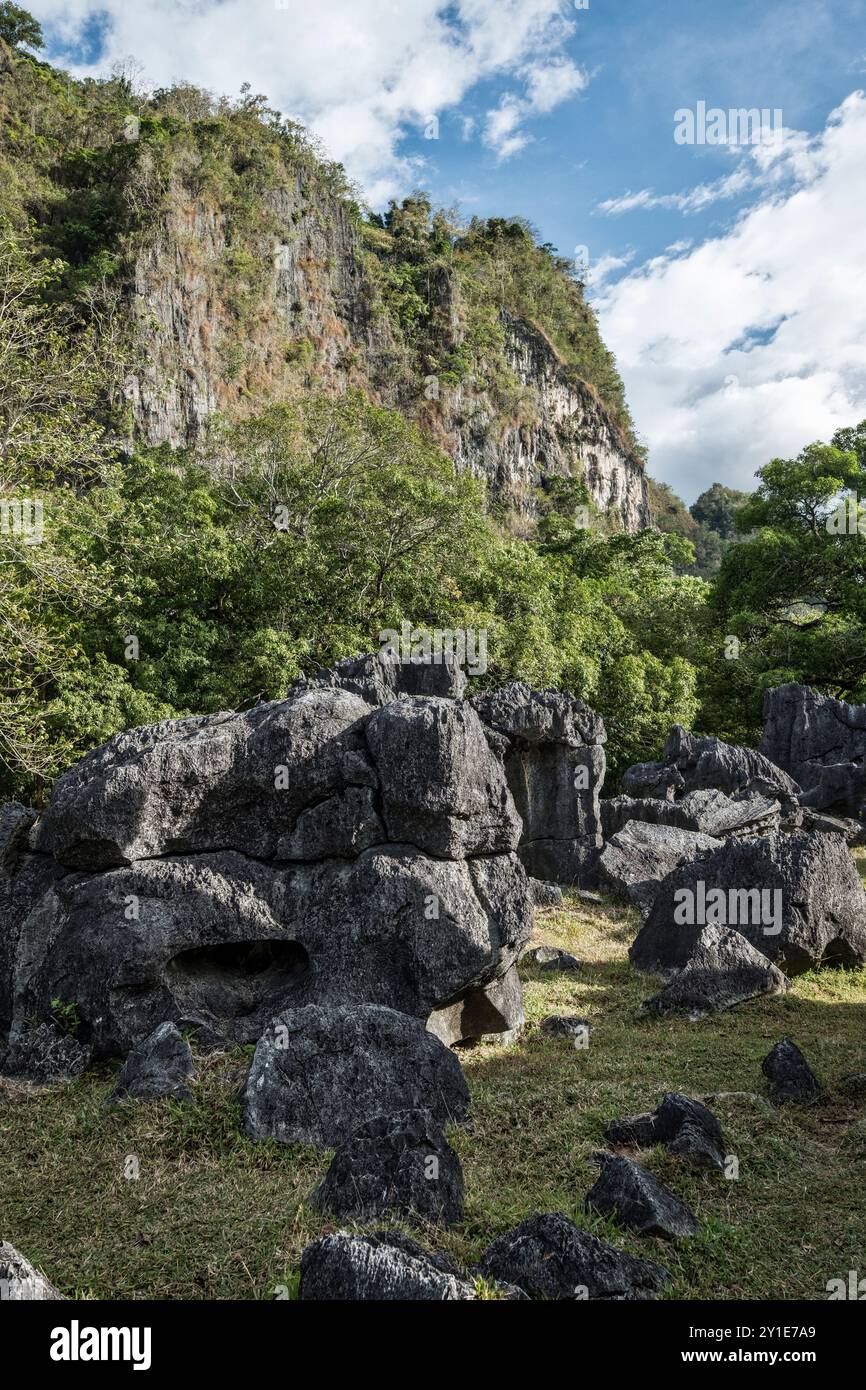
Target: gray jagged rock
(545,894)
(552,960)
(539,716)
(708,762)
(158,1066)
(319,1073)
(220,943)
(442,787)
(723,970)
(705,812)
(796,897)
(550,1258)
(552,750)
(789,1075)
(853,830)
(635,1199)
(24,879)
(20,1282)
(382,1267)
(685,1127)
(489,1013)
(656,781)
(214,782)
(636,859)
(358,842)
(43,1054)
(379,677)
(821,742)
(399,1164)
(567,1026)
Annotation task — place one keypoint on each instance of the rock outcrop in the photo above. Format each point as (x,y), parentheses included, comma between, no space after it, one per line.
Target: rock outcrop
(693,763)
(789,1076)
(552,747)
(723,969)
(634,1198)
(353,844)
(796,897)
(821,742)
(704,812)
(686,1128)
(317,309)
(159,1066)
(636,859)
(20,1282)
(385,1267)
(396,1164)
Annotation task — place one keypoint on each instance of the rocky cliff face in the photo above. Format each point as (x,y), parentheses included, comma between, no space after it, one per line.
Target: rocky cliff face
(571,434)
(223,330)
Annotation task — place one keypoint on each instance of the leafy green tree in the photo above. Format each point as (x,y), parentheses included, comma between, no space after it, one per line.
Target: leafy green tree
(792,593)
(716,508)
(19,28)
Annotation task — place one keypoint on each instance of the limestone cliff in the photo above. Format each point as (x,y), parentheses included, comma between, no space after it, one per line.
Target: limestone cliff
(250,274)
(314,320)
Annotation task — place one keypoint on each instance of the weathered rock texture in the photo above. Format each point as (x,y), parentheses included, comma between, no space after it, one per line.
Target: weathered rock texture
(160,1065)
(550,1258)
(705,812)
(685,1127)
(723,969)
(636,859)
(634,1198)
(553,754)
(711,763)
(19,1281)
(789,1075)
(821,742)
(385,1267)
(796,897)
(318,1074)
(398,1164)
(353,844)
(43,1054)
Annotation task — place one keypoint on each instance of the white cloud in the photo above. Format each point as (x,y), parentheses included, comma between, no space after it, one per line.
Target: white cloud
(360,73)
(601,270)
(546,86)
(753,343)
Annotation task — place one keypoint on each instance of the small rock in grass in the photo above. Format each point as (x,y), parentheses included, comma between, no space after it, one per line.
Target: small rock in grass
(789,1074)
(638,1201)
(160,1065)
(549,1257)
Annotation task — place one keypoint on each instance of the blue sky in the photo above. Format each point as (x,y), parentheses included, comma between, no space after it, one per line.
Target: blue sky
(730,281)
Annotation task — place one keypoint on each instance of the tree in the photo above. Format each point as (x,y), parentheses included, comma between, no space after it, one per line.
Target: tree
(19,28)
(715,509)
(793,592)
(51,375)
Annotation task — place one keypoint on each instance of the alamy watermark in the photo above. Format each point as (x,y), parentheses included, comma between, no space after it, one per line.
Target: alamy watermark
(737,126)
(23,517)
(464,646)
(848,518)
(729,907)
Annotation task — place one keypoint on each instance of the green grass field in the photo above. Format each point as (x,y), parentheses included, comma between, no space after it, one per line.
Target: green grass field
(215,1215)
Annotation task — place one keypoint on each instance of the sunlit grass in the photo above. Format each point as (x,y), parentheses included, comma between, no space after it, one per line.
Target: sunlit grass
(214,1215)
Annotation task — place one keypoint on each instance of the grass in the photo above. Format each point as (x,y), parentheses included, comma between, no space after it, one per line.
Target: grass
(215,1215)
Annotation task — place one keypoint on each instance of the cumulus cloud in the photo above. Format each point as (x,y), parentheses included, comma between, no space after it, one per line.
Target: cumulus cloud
(751,344)
(360,73)
(547,85)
